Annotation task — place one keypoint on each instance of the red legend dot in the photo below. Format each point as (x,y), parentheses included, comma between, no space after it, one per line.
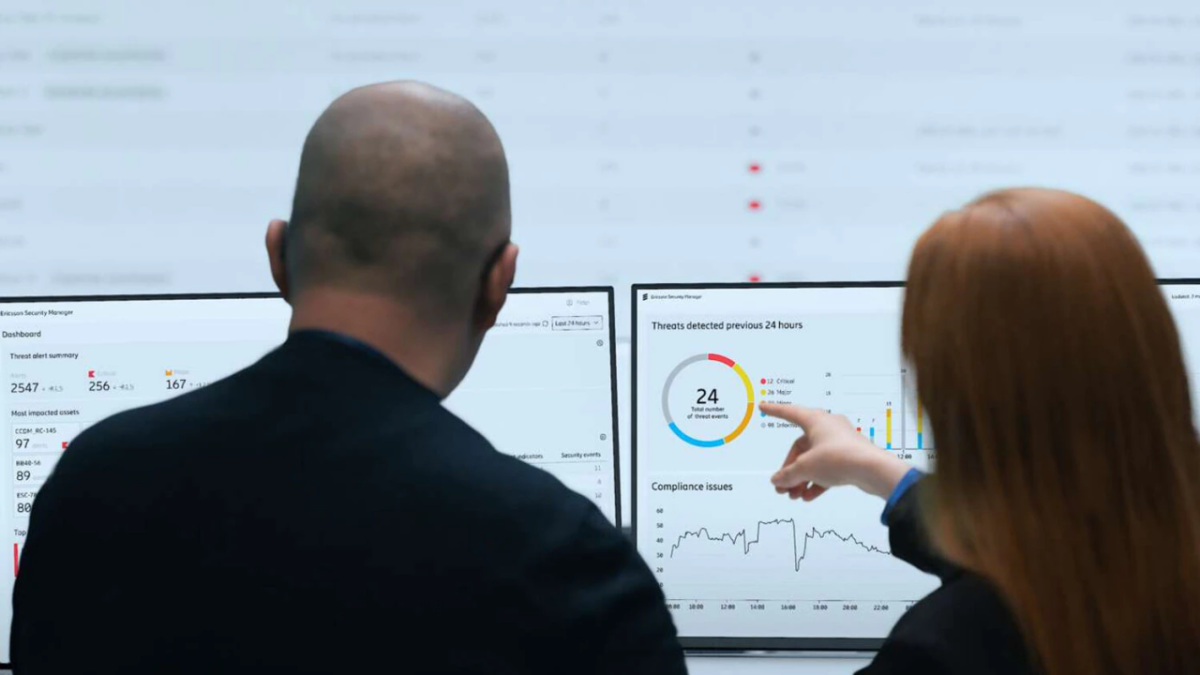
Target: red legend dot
(64,445)
(764,380)
(755,205)
(755,167)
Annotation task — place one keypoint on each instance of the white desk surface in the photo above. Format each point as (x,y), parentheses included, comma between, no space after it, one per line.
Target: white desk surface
(769,665)
(754,665)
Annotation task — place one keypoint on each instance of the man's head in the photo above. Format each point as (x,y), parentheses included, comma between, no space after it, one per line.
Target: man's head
(402,196)
(403,193)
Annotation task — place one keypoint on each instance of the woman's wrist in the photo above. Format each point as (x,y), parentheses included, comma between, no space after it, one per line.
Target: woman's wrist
(881,472)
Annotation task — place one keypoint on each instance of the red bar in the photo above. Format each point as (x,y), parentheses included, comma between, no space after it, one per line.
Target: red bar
(16,558)
(723,359)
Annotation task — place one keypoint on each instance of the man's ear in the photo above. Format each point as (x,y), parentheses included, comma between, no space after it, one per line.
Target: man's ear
(496,283)
(276,245)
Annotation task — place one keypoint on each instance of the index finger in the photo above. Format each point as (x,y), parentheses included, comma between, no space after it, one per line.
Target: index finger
(805,418)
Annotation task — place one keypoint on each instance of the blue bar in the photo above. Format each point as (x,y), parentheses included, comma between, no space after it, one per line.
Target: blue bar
(920,441)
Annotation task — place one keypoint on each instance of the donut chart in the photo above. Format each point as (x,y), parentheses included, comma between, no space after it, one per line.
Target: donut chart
(714,442)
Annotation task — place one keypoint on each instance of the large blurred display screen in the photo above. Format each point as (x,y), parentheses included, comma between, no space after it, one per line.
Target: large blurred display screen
(144,144)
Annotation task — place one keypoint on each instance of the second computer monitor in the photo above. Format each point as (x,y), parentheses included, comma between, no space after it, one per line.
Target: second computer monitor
(741,567)
(543,388)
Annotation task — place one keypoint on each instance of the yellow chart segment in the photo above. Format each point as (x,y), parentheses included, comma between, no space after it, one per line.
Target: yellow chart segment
(742,427)
(749,406)
(889,428)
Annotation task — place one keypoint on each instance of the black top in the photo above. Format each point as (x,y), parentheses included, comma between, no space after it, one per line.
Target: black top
(964,627)
(321,511)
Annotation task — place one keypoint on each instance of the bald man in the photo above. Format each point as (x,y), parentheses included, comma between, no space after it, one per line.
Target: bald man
(320,511)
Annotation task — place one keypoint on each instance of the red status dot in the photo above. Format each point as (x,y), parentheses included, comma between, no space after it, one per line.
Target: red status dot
(755,278)
(755,167)
(755,205)
(64,445)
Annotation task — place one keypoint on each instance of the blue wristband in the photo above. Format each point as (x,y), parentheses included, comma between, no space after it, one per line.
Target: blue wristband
(902,487)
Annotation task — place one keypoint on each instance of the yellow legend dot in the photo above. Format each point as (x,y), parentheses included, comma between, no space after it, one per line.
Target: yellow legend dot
(764,392)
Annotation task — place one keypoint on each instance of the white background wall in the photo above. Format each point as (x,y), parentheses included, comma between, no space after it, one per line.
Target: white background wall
(145,143)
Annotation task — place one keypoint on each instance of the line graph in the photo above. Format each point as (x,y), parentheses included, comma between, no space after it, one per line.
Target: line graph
(714,550)
(800,541)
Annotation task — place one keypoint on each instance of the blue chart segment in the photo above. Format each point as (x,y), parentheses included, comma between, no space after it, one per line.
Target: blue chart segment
(713,442)
(800,541)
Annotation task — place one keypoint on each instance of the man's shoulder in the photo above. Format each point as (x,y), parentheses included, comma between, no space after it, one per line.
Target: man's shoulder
(302,381)
(395,447)
(458,455)
(171,422)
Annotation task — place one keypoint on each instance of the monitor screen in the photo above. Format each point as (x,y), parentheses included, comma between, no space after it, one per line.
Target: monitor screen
(1183,295)
(674,139)
(66,364)
(541,388)
(741,566)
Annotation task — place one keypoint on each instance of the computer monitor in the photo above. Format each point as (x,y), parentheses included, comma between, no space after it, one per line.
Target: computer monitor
(541,389)
(66,363)
(1183,296)
(544,388)
(742,567)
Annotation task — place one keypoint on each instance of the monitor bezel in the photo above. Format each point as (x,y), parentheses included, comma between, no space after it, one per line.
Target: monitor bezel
(743,644)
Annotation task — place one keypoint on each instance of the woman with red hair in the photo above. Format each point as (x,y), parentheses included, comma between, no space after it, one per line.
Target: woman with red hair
(1064,512)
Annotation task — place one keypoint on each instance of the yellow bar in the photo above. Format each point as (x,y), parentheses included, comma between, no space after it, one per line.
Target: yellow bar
(920,419)
(889,426)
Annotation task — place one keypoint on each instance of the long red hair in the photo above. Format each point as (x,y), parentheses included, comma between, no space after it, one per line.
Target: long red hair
(1068,468)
